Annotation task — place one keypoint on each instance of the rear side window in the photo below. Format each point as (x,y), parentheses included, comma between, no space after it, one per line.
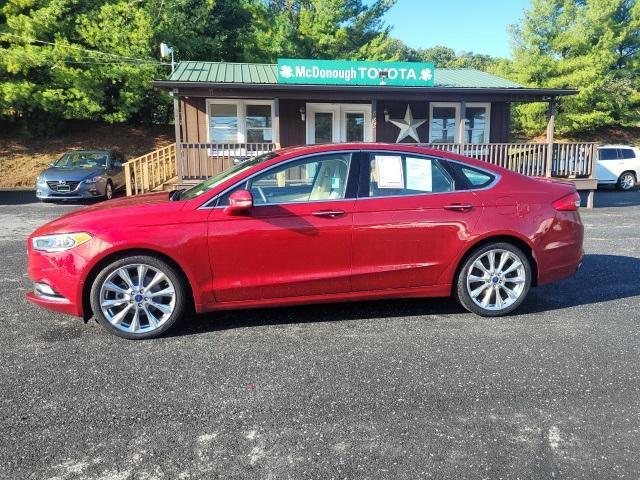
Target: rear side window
(608,153)
(399,175)
(627,153)
(477,178)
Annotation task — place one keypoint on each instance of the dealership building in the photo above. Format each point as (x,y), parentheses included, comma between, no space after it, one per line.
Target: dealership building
(229,111)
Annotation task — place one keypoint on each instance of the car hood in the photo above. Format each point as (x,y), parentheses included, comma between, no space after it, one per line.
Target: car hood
(53,174)
(132,211)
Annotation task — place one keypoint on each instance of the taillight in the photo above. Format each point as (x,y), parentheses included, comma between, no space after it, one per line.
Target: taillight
(568,203)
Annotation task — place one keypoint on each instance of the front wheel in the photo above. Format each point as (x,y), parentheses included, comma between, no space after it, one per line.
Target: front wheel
(108,191)
(626,181)
(138,297)
(494,280)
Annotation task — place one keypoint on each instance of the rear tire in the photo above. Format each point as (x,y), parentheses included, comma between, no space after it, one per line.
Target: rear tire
(494,280)
(626,182)
(139,297)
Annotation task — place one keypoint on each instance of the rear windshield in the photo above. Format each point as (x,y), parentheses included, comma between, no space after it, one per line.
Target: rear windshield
(83,160)
(213,182)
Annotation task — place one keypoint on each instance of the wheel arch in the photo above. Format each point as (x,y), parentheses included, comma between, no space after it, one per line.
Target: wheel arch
(505,238)
(117,255)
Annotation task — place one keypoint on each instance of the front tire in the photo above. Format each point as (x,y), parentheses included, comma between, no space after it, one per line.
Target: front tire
(626,182)
(494,280)
(138,297)
(108,191)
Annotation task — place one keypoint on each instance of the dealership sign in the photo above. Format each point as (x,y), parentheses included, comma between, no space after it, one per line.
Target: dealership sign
(343,72)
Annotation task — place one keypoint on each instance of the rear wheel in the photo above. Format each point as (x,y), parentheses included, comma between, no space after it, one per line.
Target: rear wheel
(494,280)
(626,181)
(138,297)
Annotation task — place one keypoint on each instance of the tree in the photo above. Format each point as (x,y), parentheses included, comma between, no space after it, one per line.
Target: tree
(593,45)
(319,29)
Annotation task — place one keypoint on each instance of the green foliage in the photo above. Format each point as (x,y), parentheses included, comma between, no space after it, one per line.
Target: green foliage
(593,45)
(340,29)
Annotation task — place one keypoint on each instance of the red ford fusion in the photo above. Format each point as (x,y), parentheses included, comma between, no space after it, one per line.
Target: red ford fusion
(307,225)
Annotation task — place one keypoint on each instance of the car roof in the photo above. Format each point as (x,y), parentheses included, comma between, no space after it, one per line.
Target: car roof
(611,145)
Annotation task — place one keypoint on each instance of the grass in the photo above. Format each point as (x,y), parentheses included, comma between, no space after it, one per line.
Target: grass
(22,160)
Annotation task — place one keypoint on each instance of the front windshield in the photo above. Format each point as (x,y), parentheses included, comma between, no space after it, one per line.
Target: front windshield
(223,176)
(83,160)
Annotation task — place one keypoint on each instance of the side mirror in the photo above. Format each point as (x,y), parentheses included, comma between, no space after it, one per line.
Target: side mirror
(117,164)
(240,201)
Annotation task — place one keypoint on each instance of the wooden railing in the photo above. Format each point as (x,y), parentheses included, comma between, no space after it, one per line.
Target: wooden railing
(148,172)
(204,160)
(568,160)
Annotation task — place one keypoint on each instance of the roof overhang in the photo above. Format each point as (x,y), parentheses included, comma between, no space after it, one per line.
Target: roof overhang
(208,89)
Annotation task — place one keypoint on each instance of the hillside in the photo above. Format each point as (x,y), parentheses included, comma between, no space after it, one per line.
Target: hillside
(21,160)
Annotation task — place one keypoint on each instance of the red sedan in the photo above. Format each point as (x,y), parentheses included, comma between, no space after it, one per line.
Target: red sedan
(306,225)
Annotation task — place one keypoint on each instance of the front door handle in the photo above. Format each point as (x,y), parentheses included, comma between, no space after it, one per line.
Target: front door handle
(459,207)
(328,213)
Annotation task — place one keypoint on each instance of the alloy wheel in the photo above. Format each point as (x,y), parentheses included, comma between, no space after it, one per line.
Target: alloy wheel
(137,298)
(627,181)
(109,191)
(496,279)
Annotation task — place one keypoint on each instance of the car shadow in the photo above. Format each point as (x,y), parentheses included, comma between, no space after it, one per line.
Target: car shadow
(602,278)
(607,196)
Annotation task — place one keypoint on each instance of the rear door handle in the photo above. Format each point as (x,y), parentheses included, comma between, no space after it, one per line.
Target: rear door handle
(459,207)
(328,213)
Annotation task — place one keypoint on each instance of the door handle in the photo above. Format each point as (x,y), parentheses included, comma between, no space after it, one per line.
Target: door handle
(459,207)
(328,213)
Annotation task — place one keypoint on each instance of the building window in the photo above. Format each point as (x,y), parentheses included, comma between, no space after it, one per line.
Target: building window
(476,127)
(240,121)
(444,119)
(223,120)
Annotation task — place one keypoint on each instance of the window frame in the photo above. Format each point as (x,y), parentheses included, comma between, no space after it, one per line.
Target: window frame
(487,128)
(455,105)
(353,175)
(458,178)
(615,149)
(241,108)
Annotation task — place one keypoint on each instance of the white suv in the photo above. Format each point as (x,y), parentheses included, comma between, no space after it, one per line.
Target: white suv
(619,165)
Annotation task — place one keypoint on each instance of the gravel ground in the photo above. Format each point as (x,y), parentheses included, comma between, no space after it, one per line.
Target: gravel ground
(394,389)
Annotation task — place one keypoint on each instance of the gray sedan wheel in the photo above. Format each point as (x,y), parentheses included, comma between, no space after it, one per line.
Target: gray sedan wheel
(138,297)
(108,191)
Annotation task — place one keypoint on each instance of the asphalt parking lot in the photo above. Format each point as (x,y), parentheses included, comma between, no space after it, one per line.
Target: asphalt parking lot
(394,389)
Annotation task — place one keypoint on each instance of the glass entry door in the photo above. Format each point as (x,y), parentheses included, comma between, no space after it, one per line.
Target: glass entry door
(338,122)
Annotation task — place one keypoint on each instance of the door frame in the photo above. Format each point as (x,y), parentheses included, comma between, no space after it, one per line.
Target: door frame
(339,111)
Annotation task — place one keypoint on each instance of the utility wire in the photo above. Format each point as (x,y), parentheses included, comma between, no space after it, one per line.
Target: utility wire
(55,44)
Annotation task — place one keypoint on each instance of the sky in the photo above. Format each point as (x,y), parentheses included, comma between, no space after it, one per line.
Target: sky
(479,26)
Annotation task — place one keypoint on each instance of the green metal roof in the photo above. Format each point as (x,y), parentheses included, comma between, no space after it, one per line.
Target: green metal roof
(265,74)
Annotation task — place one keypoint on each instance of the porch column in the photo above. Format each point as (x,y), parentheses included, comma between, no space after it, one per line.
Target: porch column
(276,124)
(178,133)
(461,126)
(551,123)
(374,120)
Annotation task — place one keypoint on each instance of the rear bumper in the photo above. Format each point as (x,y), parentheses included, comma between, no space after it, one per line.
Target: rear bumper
(561,251)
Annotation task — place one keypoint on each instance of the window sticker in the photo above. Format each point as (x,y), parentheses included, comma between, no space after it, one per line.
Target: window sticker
(419,175)
(389,170)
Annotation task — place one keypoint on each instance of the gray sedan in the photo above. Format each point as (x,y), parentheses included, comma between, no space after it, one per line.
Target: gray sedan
(82,175)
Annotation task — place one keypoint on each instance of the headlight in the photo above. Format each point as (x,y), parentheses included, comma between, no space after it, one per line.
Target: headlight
(40,180)
(60,242)
(90,181)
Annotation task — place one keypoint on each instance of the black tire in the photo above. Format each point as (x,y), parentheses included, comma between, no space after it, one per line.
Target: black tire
(179,287)
(626,182)
(108,190)
(463,295)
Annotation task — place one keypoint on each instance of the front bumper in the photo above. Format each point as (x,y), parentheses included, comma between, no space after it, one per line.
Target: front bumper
(82,191)
(63,273)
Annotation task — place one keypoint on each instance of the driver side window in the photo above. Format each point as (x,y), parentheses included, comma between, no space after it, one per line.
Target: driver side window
(312,179)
